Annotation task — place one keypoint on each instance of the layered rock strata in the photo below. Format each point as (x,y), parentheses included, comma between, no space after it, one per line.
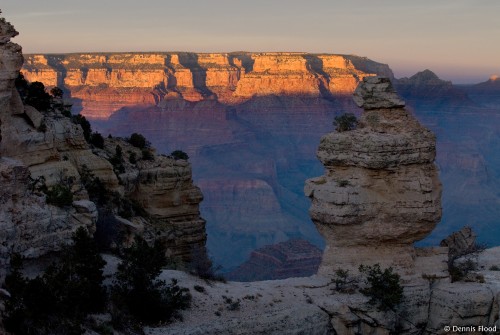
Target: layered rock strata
(164,189)
(293,258)
(101,84)
(381,190)
(28,225)
(42,149)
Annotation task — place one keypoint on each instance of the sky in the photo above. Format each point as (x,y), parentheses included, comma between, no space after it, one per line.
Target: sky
(457,39)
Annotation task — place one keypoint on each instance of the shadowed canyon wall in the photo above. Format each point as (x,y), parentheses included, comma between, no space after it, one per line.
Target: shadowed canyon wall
(251,123)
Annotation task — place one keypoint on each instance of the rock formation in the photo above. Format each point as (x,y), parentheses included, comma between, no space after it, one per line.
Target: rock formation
(44,149)
(381,191)
(101,84)
(293,258)
(425,90)
(163,187)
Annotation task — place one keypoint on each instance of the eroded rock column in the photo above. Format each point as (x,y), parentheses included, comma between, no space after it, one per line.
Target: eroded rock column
(381,191)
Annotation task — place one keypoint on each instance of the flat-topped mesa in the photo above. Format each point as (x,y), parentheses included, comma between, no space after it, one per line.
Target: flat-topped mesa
(102,83)
(381,190)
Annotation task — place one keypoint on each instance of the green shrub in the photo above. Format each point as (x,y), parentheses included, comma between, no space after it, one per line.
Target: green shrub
(138,141)
(58,301)
(343,183)
(137,288)
(342,281)
(59,195)
(56,92)
(132,158)
(178,154)
(202,266)
(84,123)
(66,112)
(117,160)
(147,155)
(345,122)
(383,286)
(37,97)
(94,186)
(97,140)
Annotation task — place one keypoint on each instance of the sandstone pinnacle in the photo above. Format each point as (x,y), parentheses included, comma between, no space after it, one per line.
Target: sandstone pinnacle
(377,92)
(381,190)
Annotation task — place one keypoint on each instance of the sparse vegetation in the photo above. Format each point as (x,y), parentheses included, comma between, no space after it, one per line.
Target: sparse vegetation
(345,122)
(179,154)
(232,305)
(58,301)
(343,282)
(494,268)
(132,158)
(383,287)
(59,195)
(203,267)
(117,160)
(138,141)
(138,289)
(147,155)
(199,288)
(343,183)
(97,140)
(464,262)
(84,123)
(56,92)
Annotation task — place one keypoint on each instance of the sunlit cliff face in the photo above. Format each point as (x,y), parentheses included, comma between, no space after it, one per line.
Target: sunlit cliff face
(103,83)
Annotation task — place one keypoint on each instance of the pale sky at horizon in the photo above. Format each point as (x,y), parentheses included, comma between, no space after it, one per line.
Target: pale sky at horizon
(457,39)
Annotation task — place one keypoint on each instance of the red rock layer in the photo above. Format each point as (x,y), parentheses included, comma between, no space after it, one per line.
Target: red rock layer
(103,83)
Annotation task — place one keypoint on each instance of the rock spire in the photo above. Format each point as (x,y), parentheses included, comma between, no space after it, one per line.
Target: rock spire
(381,191)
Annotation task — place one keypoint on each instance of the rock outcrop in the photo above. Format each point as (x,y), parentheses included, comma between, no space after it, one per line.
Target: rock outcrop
(427,91)
(293,258)
(101,84)
(31,227)
(381,190)
(43,149)
(163,188)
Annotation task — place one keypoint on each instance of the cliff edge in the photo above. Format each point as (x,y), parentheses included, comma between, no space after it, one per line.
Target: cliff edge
(54,181)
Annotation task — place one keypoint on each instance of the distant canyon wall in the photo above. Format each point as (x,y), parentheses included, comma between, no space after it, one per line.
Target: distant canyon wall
(102,83)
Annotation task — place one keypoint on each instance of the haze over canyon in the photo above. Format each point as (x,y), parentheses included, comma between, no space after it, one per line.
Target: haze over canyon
(251,123)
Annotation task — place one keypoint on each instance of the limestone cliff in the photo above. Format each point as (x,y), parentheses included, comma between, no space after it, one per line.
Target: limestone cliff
(101,84)
(29,225)
(162,189)
(43,149)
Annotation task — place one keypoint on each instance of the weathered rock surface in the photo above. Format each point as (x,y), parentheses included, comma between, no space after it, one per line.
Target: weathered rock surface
(44,148)
(460,242)
(101,84)
(377,93)
(28,225)
(381,190)
(312,306)
(164,189)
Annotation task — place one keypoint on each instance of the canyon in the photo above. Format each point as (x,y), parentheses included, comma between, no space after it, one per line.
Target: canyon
(251,123)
